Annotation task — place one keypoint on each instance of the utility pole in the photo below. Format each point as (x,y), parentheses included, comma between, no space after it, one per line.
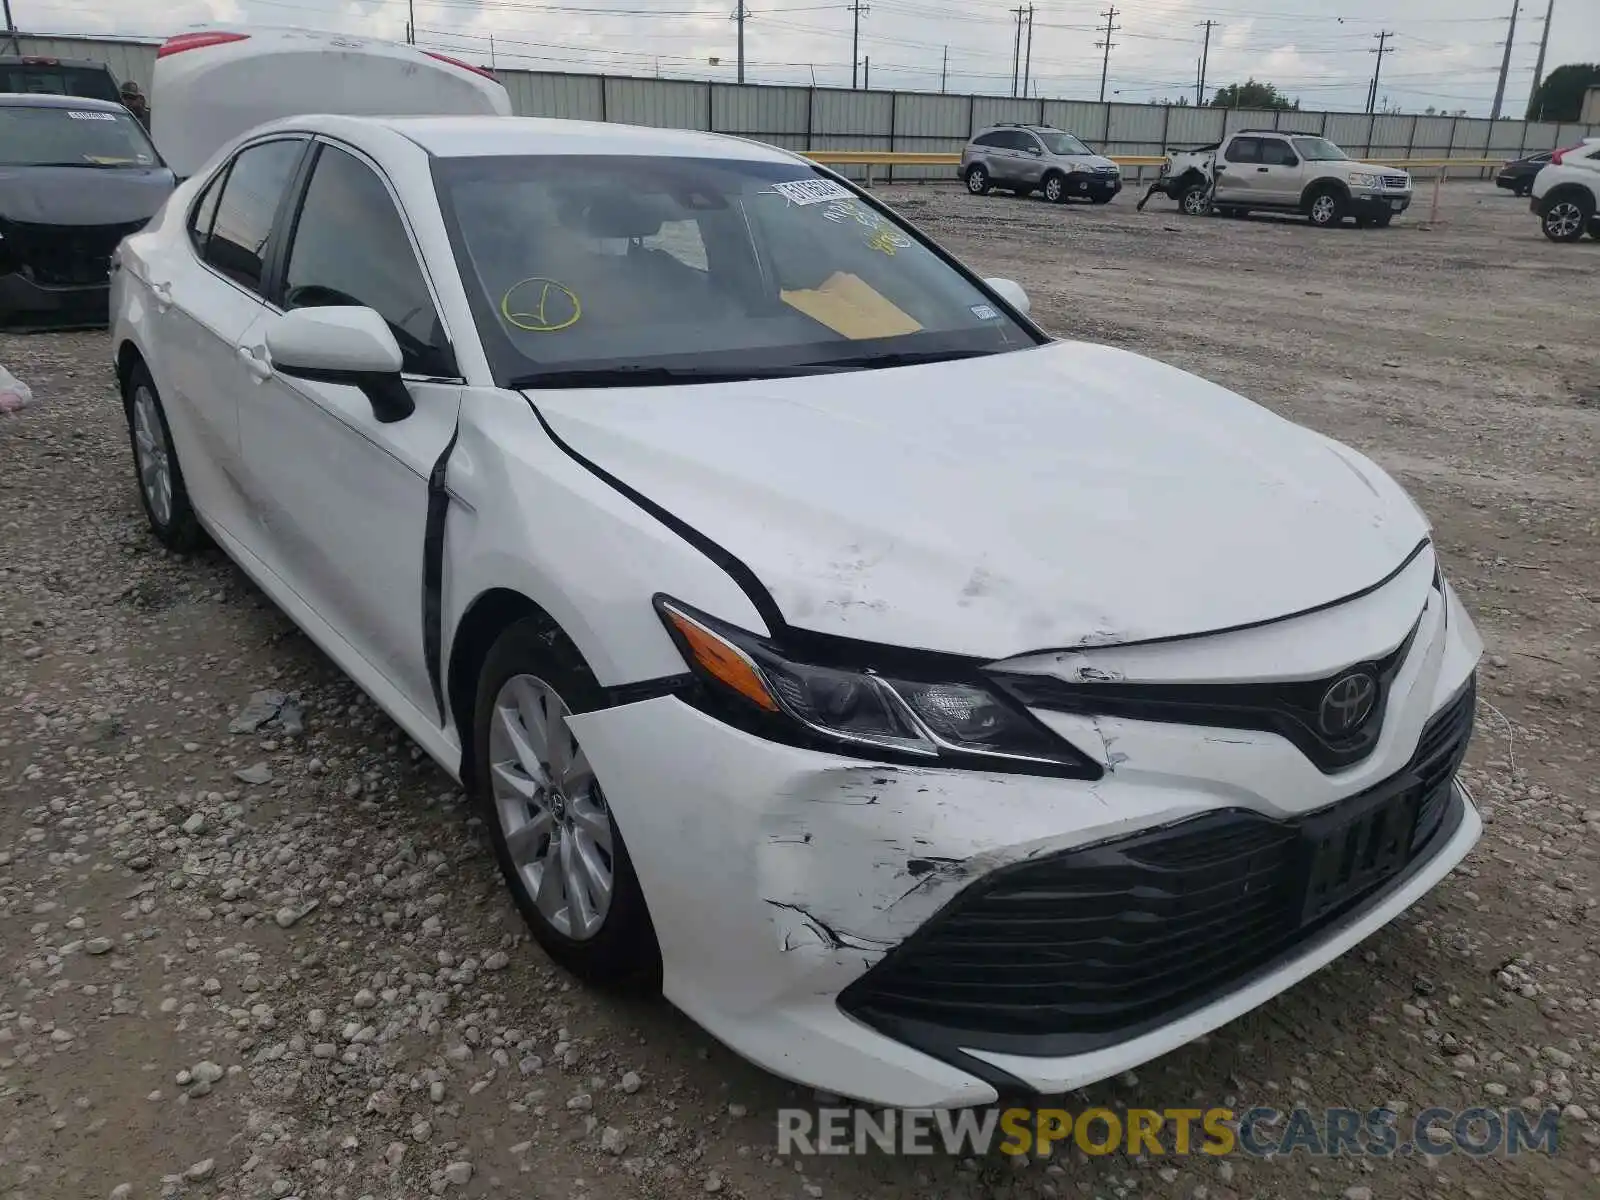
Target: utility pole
(1505,65)
(1016,50)
(411,20)
(1105,63)
(739,14)
(1538,66)
(1027,63)
(944,70)
(11,30)
(867,78)
(1205,61)
(1383,48)
(855,39)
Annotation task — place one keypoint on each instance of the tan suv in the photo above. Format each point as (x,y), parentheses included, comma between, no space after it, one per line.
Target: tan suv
(1267,170)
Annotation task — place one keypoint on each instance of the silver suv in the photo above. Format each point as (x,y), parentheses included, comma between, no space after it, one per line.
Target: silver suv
(1038,158)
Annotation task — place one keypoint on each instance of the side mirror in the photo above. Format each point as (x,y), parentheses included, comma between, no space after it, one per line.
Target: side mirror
(350,346)
(1011,292)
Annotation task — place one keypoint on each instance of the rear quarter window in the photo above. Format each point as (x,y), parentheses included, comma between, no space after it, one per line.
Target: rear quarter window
(47,80)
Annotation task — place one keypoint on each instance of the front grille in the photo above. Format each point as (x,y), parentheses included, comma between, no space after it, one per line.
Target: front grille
(63,255)
(1396,183)
(1083,949)
(1292,709)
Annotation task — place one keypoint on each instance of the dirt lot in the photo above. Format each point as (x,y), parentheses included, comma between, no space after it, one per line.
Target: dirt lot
(311,985)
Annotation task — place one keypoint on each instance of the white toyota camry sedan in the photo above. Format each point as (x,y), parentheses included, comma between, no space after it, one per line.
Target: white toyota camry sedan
(934,709)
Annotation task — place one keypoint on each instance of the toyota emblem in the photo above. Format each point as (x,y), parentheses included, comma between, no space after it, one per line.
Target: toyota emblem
(1347,704)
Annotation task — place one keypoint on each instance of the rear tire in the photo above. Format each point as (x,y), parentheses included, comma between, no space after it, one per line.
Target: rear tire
(1566,217)
(554,835)
(1325,208)
(978,181)
(1382,220)
(155,462)
(1195,200)
(1055,188)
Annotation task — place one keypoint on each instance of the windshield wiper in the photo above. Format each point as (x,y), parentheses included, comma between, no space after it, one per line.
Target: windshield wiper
(905,358)
(603,377)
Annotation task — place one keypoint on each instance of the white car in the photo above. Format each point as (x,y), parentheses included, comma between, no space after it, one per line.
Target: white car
(1566,192)
(936,709)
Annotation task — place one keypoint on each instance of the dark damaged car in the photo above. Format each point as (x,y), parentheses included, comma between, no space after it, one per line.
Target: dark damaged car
(76,177)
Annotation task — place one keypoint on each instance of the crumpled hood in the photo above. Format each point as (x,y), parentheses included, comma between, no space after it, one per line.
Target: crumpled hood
(1068,495)
(82,195)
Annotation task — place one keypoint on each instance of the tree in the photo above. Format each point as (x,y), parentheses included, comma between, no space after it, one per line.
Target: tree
(1251,94)
(1560,96)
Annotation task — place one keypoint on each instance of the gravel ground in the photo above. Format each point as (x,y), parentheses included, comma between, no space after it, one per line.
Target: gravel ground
(261,950)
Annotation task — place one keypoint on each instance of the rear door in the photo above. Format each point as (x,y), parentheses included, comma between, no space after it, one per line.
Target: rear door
(205,297)
(1236,171)
(342,498)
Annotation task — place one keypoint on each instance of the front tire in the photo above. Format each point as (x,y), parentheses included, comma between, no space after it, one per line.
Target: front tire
(554,836)
(1566,217)
(161,486)
(1325,208)
(978,181)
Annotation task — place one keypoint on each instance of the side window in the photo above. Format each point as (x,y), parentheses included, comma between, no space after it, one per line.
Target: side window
(250,196)
(1277,154)
(204,213)
(989,139)
(1244,150)
(351,247)
(1028,144)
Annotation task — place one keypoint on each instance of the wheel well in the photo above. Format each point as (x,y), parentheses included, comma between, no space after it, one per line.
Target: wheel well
(1571,191)
(1336,186)
(1192,176)
(490,615)
(128,357)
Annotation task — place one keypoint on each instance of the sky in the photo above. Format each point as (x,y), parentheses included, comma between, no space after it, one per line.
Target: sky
(1446,53)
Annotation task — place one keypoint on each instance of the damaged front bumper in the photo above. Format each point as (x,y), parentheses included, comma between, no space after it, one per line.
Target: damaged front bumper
(920,937)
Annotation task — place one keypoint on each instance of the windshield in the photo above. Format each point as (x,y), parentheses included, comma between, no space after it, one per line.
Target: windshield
(611,270)
(1062,143)
(1318,149)
(72,137)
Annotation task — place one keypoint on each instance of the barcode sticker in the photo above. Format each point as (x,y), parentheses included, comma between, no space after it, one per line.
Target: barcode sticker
(811,191)
(76,115)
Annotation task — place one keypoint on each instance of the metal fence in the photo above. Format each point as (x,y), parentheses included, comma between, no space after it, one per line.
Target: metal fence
(803,118)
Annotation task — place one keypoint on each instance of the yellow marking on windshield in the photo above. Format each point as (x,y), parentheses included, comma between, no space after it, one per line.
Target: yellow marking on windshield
(850,307)
(548,308)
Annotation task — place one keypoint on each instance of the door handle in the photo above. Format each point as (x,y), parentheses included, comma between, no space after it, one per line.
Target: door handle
(163,295)
(1263,170)
(255,362)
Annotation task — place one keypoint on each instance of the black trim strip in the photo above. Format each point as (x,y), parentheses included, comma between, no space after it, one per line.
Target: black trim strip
(646,689)
(433,573)
(741,574)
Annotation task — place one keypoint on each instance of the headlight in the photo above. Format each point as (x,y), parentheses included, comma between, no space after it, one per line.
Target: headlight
(1362,179)
(916,708)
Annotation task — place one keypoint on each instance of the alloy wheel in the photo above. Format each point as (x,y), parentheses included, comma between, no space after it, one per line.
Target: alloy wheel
(976,180)
(1564,220)
(550,807)
(1323,209)
(1195,201)
(1053,189)
(150,443)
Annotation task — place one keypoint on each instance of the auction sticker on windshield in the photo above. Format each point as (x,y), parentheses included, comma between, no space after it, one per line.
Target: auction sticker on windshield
(90,116)
(811,191)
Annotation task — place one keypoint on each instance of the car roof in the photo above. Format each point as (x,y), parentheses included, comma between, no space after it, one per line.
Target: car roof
(42,100)
(490,136)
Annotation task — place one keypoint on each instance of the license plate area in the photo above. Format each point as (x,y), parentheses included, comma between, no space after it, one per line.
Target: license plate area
(1346,853)
(1397,205)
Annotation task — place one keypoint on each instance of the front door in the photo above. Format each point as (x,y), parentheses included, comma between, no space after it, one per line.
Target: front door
(344,497)
(1279,175)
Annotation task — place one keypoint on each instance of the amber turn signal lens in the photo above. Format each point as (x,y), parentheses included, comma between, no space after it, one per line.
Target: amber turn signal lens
(721,661)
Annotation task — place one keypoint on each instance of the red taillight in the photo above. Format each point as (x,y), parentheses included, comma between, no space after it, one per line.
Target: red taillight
(456,62)
(195,41)
(1556,156)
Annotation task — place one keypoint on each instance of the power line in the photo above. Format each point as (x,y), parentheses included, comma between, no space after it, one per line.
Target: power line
(1105,63)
